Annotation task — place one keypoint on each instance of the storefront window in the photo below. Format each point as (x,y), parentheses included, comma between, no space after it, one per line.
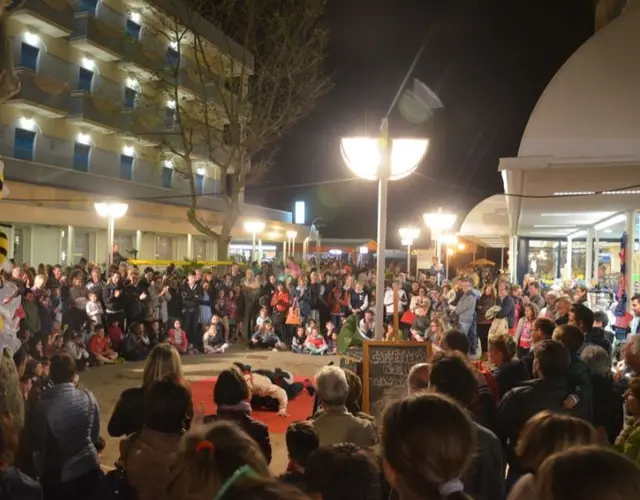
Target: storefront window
(542,259)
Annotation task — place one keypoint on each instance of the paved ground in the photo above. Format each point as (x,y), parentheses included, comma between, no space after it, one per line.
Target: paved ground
(108,382)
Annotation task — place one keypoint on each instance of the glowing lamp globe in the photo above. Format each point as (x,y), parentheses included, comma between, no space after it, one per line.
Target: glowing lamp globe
(363,155)
(113,210)
(409,234)
(254,227)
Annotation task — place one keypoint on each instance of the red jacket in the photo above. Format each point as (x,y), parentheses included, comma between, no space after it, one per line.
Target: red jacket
(281,301)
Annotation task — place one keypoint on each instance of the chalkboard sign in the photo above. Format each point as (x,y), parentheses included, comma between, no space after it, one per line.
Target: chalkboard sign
(385,367)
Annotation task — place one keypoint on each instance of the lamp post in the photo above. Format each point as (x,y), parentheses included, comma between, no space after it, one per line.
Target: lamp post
(255,228)
(112,211)
(409,235)
(450,242)
(438,223)
(382,159)
(291,235)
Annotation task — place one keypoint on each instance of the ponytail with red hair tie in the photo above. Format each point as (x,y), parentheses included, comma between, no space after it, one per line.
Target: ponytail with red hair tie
(203,445)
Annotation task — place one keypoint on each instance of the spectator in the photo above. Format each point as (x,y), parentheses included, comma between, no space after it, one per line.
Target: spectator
(335,424)
(178,337)
(315,343)
(99,347)
(232,398)
(584,319)
(302,440)
(543,435)
(524,330)
(452,376)
(14,485)
(428,444)
(589,472)
(418,379)
(64,435)
(128,415)
(213,339)
(607,394)
(508,372)
(628,442)
(265,337)
(542,330)
(147,456)
(353,473)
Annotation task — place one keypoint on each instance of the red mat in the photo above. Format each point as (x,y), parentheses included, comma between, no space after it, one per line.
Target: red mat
(299,408)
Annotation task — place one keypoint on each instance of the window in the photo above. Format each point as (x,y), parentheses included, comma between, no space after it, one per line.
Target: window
(167,177)
(169,117)
(164,248)
(23,144)
(199,181)
(133,29)
(129,97)
(29,56)
(81,157)
(173,57)
(199,249)
(85,79)
(89,6)
(124,241)
(126,167)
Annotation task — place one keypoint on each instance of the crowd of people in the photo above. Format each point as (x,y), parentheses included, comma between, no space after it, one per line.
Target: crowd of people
(524,398)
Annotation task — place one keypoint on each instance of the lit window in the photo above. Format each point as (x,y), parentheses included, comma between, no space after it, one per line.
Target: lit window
(199,182)
(23,144)
(133,28)
(167,177)
(85,79)
(81,157)
(169,117)
(129,98)
(89,6)
(173,57)
(126,167)
(29,56)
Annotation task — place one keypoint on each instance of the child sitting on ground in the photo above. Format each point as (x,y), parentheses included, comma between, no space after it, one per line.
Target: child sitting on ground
(213,339)
(302,440)
(177,337)
(75,345)
(332,338)
(116,336)
(99,347)
(315,343)
(297,343)
(266,337)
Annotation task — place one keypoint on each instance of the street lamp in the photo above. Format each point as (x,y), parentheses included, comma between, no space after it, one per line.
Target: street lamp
(253,227)
(438,223)
(409,235)
(112,211)
(291,236)
(383,159)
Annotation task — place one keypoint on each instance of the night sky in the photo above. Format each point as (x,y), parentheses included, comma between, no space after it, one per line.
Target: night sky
(488,60)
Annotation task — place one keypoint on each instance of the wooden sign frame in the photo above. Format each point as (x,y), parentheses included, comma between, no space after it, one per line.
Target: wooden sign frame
(365,362)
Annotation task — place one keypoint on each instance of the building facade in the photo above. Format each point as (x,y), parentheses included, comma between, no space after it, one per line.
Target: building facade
(74,134)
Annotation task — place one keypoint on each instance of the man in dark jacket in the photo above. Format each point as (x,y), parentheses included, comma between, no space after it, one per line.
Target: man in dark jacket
(584,318)
(113,299)
(191,296)
(546,392)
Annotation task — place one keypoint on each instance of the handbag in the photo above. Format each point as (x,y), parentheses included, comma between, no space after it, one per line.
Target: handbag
(499,326)
(407,317)
(115,485)
(293,316)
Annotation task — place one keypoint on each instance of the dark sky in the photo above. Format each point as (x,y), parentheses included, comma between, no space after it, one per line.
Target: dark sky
(488,60)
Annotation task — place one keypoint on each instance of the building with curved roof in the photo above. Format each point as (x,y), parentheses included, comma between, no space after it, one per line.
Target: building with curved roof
(577,174)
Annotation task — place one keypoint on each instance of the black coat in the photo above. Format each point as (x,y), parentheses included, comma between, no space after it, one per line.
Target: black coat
(257,430)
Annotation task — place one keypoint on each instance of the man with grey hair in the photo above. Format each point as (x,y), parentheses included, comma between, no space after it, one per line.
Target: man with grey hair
(335,424)
(418,379)
(608,414)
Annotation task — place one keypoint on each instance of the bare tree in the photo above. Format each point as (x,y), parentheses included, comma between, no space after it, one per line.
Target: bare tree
(231,101)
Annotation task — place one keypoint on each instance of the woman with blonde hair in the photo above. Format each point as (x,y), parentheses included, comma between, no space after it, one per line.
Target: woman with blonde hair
(163,363)
(211,459)
(543,435)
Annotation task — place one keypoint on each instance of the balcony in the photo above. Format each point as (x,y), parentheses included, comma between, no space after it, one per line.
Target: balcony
(42,94)
(98,38)
(98,113)
(50,17)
